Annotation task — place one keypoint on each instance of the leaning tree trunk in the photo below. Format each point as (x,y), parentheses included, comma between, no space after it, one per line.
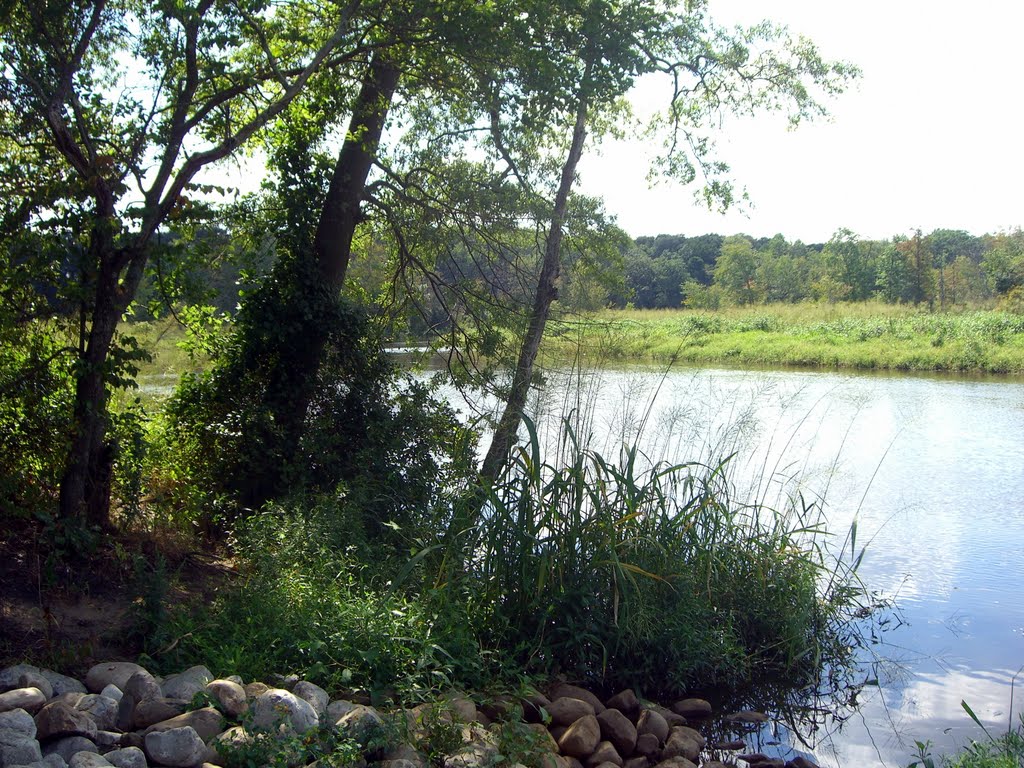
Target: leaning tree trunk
(547,291)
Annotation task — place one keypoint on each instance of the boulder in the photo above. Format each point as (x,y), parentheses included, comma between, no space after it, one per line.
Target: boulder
(676,762)
(142,686)
(110,673)
(637,762)
(278,707)
(177,747)
(207,722)
(58,718)
(107,740)
(20,752)
(185,685)
(575,692)
(581,738)
(626,702)
(462,708)
(314,695)
(16,725)
(230,695)
(29,699)
(361,724)
(338,708)
(62,683)
(112,692)
(102,709)
(681,744)
(128,757)
(69,746)
(88,760)
(760,760)
(692,708)
(616,728)
(255,690)
(566,710)
(604,754)
(653,723)
(151,711)
(647,745)
(25,676)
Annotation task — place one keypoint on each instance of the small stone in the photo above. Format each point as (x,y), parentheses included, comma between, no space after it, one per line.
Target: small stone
(604,754)
(128,757)
(747,717)
(69,746)
(88,760)
(694,708)
(185,685)
(112,672)
(314,695)
(566,710)
(230,695)
(575,692)
(279,707)
(207,722)
(58,718)
(581,738)
(616,728)
(177,747)
(626,702)
(29,699)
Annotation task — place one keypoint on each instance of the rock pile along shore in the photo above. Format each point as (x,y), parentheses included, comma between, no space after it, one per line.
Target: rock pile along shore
(121,715)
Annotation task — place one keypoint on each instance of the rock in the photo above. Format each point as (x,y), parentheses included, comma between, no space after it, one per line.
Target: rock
(185,685)
(715,764)
(207,722)
(400,763)
(232,739)
(102,709)
(25,676)
(647,745)
(129,757)
(759,760)
(112,672)
(534,705)
(142,686)
(58,718)
(637,762)
(314,695)
(616,728)
(52,761)
(338,708)
(36,680)
(581,738)
(361,724)
(692,708)
(62,684)
(70,746)
(747,717)
(255,690)
(462,708)
(150,711)
(20,752)
(112,692)
(230,695)
(544,740)
(801,762)
(676,762)
(29,699)
(566,710)
(498,708)
(477,753)
(575,692)
(626,702)
(16,725)
(88,760)
(557,731)
(177,747)
(683,742)
(673,719)
(729,746)
(653,723)
(277,707)
(283,682)
(107,740)
(604,754)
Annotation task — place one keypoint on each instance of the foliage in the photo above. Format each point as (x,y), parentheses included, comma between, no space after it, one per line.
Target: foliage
(323,745)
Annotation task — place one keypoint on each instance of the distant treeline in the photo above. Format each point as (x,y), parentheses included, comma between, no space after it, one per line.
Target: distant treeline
(943,269)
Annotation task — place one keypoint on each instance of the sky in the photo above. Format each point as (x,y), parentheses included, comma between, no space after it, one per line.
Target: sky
(931,136)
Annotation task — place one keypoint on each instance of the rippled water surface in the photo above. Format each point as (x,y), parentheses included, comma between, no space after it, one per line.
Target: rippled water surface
(931,468)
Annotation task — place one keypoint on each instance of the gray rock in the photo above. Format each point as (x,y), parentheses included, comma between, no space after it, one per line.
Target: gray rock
(230,695)
(107,740)
(626,702)
(279,707)
(639,762)
(676,762)
(178,747)
(207,722)
(683,742)
(102,709)
(53,761)
(235,679)
(20,752)
(112,672)
(337,708)
(62,683)
(314,695)
(647,745)
(112,692)
(255,690)
(652,722)
(28,699)
(566,710)
(604,754)
(69,746)
(361,724)
(16,725)
(616,728)
(87,760)
(575,692)
(150,711)
(141,686)
(129,757)
(58,718)
(581,738)
(693,708)
(25,676)
(186,684)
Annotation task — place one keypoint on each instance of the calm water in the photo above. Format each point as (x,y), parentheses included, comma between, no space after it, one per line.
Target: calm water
(931,468)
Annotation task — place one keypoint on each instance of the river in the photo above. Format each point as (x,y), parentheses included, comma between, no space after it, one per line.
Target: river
(932,470)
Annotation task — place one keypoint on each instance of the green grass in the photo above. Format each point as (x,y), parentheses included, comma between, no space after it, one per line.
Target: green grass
(862,336)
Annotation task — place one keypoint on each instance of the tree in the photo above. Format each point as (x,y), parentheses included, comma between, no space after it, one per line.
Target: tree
(127,103)
(735,269)
(946,245)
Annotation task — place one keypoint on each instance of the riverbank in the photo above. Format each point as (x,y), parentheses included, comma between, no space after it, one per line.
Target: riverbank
(856,336)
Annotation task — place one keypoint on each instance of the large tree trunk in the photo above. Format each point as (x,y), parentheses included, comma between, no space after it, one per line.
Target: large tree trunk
(547,291)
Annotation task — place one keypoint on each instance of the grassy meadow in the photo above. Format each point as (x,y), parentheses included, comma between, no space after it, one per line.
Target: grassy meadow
(862,336)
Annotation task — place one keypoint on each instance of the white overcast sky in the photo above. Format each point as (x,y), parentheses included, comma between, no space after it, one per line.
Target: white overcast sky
(929,137)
